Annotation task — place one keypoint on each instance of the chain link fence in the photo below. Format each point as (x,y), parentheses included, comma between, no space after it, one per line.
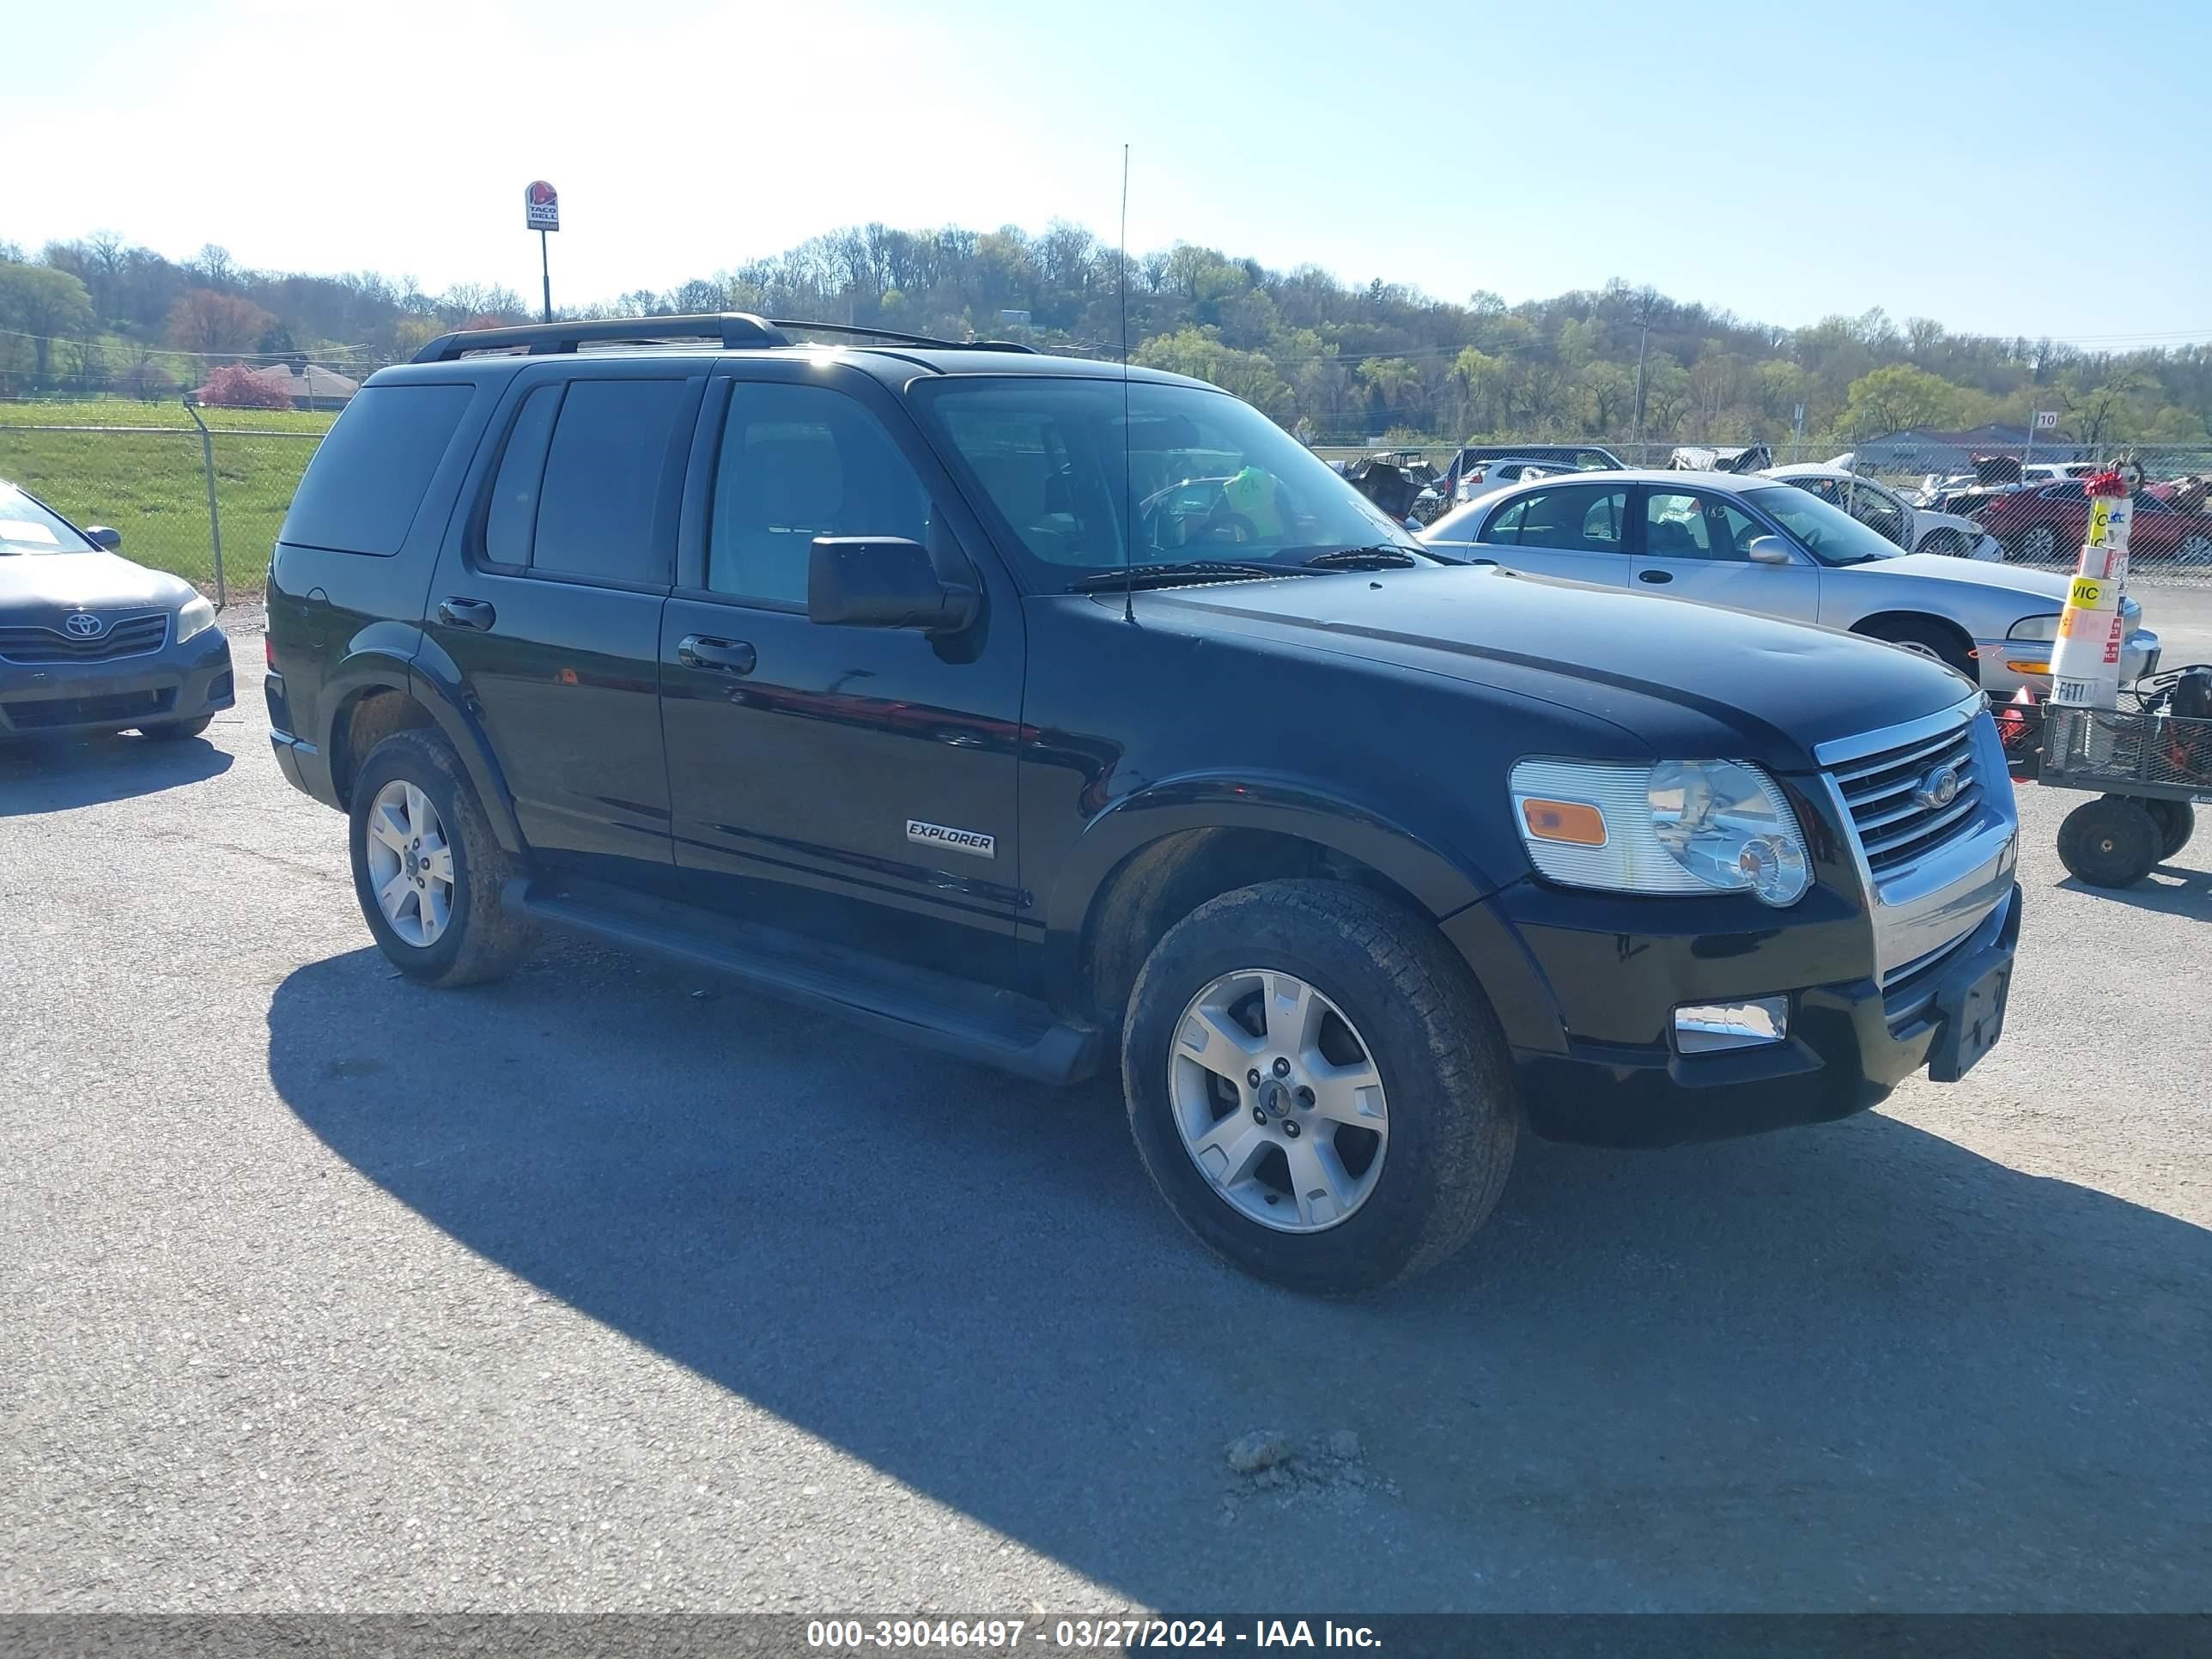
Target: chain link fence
(204,501)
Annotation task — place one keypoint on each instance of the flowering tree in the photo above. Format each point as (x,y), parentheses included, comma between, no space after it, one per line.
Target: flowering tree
(235,386)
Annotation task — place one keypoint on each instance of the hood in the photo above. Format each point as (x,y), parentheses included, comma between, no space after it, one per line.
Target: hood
(49,582)
(1685,679)
(2046,585)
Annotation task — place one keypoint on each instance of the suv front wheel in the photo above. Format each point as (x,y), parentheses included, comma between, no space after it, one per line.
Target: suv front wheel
(1317,1086)
(426,867)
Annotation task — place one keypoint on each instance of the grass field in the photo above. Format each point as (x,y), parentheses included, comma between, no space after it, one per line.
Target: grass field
(149,483)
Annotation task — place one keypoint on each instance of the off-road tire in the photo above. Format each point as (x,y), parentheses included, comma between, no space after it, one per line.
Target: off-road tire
(2111,842)
(1454,1111)
(482,941)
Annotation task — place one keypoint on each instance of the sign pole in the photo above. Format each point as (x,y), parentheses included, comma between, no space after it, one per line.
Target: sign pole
(541,212)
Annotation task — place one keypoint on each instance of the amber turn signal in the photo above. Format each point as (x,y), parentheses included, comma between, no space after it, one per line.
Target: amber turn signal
(1565,820)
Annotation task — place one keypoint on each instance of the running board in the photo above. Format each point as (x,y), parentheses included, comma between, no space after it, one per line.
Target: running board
(973,1022)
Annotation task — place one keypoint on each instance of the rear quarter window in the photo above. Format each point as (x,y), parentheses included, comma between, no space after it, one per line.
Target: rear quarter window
(366,481)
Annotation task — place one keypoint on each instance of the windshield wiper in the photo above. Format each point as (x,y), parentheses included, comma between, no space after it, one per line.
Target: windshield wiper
(1167,575)
(1382,555)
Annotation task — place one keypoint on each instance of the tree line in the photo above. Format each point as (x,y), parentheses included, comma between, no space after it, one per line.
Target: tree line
(1335,362)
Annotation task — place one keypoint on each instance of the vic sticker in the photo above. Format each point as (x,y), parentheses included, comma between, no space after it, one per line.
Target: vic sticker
(960,840)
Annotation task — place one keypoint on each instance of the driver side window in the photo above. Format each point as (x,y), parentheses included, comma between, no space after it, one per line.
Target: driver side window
(799,462)
(1680,526)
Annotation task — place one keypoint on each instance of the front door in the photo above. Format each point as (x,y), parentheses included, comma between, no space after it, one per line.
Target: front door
(545,610)
(855,784)
(1695,545)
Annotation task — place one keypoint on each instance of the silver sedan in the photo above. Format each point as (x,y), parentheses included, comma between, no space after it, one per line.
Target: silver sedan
(1753,543)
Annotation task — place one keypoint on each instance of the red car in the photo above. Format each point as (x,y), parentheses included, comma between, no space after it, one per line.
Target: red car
(2047,525)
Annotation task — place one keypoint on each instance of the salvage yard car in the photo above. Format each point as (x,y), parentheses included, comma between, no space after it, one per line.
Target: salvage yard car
(1754,544)
(849,671)
(92,643)
(1882,509)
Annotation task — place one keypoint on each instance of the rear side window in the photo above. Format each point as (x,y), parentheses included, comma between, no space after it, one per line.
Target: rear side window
(606,509)
(511,519)
(1577,518)
(367,479)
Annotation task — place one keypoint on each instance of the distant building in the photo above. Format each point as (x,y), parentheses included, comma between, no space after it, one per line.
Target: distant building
(1924,449)
(309,385)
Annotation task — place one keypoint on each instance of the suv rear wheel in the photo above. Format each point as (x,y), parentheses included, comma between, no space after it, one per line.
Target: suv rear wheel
(1317,1087)
(426,867)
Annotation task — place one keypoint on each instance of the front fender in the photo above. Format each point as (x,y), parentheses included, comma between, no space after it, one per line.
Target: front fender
(1443,878)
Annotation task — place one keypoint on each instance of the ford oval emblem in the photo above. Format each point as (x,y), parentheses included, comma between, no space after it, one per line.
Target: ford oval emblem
(83,625)
(1939,789)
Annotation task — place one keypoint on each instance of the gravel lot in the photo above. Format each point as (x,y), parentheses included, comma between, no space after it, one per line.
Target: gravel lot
(610,1286)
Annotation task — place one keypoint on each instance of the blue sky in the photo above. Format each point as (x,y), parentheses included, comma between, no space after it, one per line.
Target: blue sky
(1781,160)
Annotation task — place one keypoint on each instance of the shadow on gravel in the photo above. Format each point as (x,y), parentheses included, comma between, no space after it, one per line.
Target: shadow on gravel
(2169,889)
(52,774)
(1842,1367)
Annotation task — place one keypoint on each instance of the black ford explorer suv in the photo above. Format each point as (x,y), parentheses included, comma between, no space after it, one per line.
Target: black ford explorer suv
(1069,720)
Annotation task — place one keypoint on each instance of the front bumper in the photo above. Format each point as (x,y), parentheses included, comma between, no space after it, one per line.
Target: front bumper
(1588,1003)
(1994,659)
(176,682)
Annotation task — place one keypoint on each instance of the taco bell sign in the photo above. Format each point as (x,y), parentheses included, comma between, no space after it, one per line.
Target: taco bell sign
(541,205)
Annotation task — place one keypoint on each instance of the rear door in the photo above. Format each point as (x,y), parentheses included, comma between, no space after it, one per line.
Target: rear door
(1578,531)
(1694,544)
(545,611)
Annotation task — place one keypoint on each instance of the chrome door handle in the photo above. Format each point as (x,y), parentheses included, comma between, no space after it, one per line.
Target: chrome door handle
(726,656)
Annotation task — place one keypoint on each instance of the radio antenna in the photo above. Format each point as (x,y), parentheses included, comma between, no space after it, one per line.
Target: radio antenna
(1128,496)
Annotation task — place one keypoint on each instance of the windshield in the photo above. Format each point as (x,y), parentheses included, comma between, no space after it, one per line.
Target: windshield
(28,530)
(1829,533)
(1208,478)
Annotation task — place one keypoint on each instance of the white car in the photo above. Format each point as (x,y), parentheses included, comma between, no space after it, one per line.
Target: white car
(1752,542)
(1888,514)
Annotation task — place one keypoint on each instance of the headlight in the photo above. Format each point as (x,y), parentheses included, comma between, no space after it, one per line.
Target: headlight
(1677,827)
(2033,627)
(195,616)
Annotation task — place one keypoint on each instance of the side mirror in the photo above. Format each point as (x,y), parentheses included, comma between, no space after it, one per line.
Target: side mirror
(1768,550)
(886,582)
(100,536)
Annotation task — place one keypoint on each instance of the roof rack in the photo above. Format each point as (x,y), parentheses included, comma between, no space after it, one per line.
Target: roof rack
(733,329)
(861,331)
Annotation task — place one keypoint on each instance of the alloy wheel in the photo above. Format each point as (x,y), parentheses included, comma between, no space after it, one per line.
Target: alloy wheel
(1278,1101)
(2041,543)
(2197,550)
(411,865)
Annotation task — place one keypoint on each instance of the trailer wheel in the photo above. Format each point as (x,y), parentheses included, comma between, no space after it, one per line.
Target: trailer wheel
(2177,822)
(2111,842)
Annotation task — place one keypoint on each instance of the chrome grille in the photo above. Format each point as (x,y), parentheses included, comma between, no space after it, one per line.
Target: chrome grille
(1880,792)
(132,637)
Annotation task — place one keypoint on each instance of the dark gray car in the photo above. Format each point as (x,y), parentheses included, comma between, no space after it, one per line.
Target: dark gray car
(91,642)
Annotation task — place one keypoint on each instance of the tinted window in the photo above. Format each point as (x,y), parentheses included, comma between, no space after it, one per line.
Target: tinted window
(607,511)
(512,517)
(1577,518)
(367,480)
(1678,525)
(799,462)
